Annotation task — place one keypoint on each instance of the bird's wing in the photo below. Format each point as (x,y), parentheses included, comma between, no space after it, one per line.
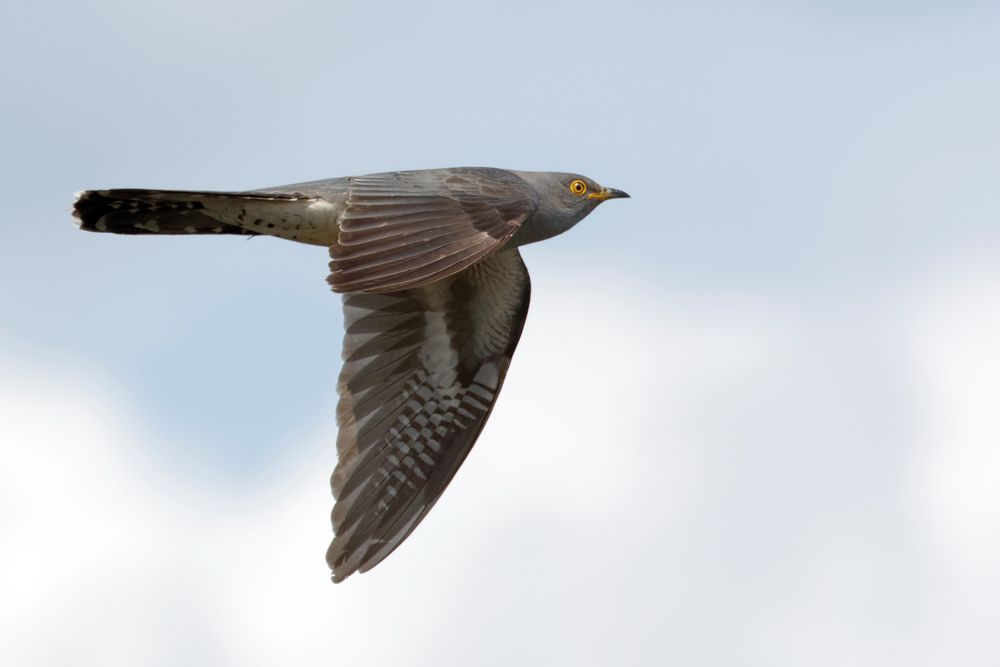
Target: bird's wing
(406,229)
(422,369)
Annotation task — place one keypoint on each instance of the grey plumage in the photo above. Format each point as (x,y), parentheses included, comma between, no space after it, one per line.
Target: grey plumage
(435,298)
(422,369)
(412,228)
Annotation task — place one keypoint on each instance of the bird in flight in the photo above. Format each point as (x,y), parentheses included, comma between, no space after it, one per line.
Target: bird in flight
(435,295)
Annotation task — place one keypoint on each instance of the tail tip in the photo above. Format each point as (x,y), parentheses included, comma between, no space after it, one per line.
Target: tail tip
(86,217)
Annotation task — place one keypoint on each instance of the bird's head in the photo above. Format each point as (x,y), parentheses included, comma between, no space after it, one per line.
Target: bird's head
(563,200)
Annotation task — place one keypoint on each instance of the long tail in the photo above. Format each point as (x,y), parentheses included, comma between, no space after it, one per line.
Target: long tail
(174,211)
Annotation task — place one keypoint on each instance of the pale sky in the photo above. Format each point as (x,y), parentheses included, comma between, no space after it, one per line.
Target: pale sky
(752,419)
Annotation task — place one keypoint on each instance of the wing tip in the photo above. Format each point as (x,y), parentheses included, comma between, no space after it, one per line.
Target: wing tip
(342,564)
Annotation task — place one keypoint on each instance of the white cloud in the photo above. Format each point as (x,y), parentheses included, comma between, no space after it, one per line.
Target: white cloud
(666,478)
(912,578)
(955,351)
(955,478)
(127,556)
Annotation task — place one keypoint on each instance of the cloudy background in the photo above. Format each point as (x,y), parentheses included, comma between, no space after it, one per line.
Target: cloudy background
(753,419)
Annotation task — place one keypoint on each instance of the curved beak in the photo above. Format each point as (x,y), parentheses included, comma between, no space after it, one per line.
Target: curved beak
(609,193)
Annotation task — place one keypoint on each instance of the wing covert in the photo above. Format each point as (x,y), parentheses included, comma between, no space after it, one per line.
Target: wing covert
(406,229)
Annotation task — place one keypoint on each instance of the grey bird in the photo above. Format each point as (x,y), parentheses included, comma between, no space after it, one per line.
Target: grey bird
(435,296)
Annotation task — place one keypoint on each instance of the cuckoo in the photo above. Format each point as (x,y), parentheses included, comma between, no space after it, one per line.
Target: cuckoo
(435,295)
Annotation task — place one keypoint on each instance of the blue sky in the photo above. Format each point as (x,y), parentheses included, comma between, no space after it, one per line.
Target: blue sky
(751,420)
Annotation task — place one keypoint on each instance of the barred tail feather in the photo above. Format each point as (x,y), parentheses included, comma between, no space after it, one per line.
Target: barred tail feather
(124,211)
(148,212)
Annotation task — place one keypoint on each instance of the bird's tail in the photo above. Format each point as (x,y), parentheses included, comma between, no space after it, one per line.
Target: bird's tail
(175,211)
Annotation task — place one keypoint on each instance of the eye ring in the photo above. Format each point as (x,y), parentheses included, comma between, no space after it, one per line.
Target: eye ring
(578,187)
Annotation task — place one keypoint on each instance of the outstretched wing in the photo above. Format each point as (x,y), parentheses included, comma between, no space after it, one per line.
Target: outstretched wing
(422,369)
(406,229)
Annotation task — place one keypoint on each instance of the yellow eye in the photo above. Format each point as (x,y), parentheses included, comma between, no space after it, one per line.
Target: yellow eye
(578,187)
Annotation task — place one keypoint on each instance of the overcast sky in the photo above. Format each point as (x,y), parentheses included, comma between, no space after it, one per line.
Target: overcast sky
(753,416)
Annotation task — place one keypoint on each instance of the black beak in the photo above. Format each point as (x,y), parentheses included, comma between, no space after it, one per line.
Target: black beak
(616,194)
